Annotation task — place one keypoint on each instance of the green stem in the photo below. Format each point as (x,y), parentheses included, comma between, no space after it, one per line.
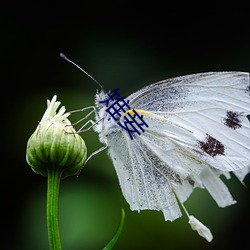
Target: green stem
(54,177)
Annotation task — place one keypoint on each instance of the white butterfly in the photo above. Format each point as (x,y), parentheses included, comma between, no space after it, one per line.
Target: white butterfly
(197,130)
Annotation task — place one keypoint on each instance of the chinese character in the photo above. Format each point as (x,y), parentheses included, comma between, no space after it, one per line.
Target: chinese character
(121,105)
(132,128)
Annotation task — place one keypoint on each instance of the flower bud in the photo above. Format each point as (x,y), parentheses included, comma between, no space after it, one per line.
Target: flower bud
(55,144)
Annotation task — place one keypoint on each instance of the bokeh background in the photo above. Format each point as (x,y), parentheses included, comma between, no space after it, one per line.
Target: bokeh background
(126,45)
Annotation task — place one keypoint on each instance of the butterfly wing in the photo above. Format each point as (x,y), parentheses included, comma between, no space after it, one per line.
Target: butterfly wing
(197,130)
(212,106)
(152,170)
(142,187)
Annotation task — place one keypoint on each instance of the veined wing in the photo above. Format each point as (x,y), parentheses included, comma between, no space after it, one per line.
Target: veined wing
(211,106)
(179,93)
(152,170)
(138,177)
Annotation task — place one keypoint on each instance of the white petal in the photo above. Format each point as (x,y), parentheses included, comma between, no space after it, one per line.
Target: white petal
(51,114)
(200,228)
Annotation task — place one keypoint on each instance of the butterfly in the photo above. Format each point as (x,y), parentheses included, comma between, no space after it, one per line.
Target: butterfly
(198,130)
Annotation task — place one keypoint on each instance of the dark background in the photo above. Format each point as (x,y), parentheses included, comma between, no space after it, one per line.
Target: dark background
(126,45)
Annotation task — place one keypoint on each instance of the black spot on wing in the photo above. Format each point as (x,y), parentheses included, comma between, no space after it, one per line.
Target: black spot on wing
(233,119)
(212,146)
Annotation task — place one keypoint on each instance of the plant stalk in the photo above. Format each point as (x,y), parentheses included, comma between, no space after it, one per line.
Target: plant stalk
(53,185)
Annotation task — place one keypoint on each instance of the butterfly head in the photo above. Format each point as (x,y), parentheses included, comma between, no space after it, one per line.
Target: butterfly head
(100,97)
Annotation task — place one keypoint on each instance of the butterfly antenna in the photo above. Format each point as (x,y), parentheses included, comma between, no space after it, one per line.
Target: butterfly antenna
(68,60)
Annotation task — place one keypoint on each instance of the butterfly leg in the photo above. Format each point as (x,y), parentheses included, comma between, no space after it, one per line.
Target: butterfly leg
(81,129)
(86,116)
(91,155)
(96,152)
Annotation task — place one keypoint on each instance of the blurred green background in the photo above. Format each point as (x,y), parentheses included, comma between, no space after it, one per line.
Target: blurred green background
(123,45)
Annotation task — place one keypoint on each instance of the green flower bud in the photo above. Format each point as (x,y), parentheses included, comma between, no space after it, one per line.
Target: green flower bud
(55,144)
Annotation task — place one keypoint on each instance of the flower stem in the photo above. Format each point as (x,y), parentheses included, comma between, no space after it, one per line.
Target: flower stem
(53,185)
